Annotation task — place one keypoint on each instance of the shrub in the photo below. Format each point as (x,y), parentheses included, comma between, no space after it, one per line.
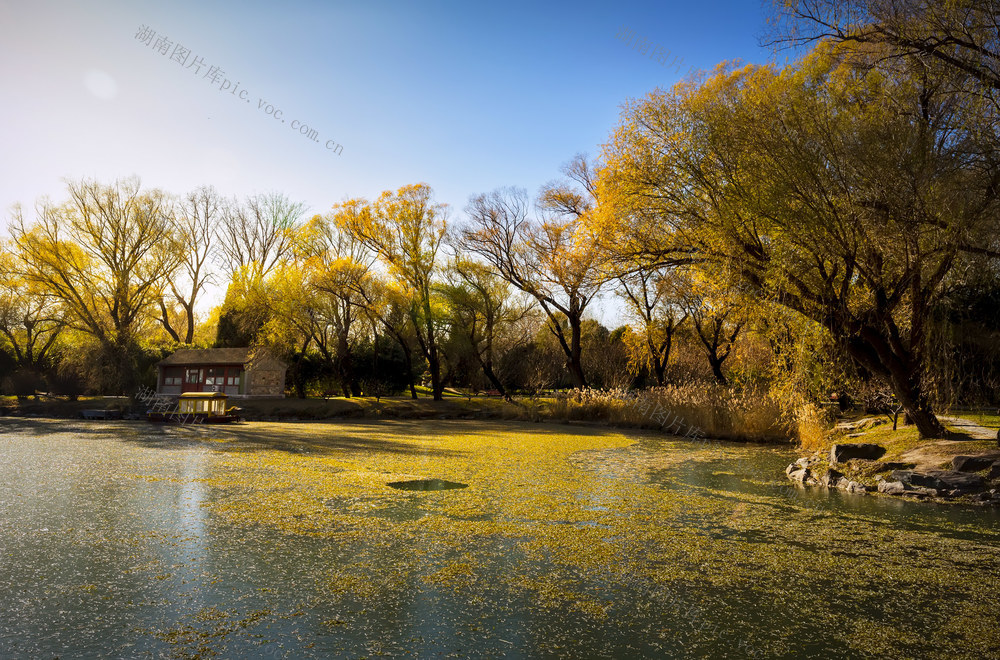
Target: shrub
(67,382)
(22,384)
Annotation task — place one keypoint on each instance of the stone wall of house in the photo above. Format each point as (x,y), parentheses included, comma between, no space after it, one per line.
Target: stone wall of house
(266,382)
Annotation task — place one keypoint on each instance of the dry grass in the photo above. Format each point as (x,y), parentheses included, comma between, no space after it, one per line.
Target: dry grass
(812,426)
(697,409)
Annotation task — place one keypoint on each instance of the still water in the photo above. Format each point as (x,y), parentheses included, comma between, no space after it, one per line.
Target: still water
(284,540)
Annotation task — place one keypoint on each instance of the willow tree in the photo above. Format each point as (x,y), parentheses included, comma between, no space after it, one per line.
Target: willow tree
(717,327)
(103,256)
(962,36)
(405,229)
(850,195)
(338,264)
(298,318)
(387,305)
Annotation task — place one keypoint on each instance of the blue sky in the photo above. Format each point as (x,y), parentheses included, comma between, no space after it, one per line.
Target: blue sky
(464,96)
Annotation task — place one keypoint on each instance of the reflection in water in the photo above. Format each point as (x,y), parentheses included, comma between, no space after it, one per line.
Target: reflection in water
(426,484)
(122,540)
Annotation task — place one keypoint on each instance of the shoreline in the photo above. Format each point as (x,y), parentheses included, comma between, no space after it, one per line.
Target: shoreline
(962,468)
(913,470)
(540,409)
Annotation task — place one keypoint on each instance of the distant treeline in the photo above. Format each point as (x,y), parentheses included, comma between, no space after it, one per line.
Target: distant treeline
(829,226)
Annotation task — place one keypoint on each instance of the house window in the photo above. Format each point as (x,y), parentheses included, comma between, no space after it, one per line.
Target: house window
(172,376)
(214,375)
(192,376)
(234,377)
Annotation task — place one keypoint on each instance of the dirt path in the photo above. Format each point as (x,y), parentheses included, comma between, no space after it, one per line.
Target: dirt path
(973,430)
(938,454)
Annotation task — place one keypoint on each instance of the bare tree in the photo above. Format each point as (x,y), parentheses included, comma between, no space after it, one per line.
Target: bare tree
(255,235)
(556,261)
(195,229)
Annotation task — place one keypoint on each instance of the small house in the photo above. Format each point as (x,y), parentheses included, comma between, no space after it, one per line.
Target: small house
(236,372)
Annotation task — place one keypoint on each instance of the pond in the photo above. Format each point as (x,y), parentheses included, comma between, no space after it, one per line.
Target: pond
(279,540)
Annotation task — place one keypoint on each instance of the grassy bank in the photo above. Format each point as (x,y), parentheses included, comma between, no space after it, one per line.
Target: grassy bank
(967,434)
(694,411)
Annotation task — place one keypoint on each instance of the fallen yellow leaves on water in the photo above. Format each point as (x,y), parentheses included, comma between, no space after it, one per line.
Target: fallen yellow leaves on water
(588,521)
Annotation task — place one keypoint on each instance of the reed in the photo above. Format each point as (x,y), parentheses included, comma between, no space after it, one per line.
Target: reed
(712,411)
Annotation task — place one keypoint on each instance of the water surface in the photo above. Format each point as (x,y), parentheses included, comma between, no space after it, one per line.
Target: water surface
(285,540)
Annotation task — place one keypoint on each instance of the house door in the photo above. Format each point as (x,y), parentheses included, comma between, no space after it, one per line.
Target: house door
(192,380)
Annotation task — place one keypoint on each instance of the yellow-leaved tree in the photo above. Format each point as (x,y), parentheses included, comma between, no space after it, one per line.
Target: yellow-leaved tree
(405,229)
(850,195)
(103,256)
(30,320)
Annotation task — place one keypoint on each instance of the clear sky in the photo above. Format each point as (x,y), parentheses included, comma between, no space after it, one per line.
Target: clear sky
(465,96)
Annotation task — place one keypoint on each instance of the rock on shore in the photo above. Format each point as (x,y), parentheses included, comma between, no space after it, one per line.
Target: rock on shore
(846,452)
(972,476)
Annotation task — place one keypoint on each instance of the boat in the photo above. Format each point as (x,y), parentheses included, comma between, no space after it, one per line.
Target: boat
(197,408)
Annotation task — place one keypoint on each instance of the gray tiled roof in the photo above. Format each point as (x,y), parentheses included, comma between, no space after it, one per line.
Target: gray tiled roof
(199,356)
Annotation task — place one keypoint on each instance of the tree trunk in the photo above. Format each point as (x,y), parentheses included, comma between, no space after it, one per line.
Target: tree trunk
(659,371)
(916,405)
(574,359)
(297,380)
(660,355)
(428,347)
(120,374)
(165,322)
(437,385)
(375,381)
(487,366)
(408,360)
(345,365)
(713,340)
(572,349)
(348,374)
(902,370)
(189,336)
(713,359)
(433,359)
